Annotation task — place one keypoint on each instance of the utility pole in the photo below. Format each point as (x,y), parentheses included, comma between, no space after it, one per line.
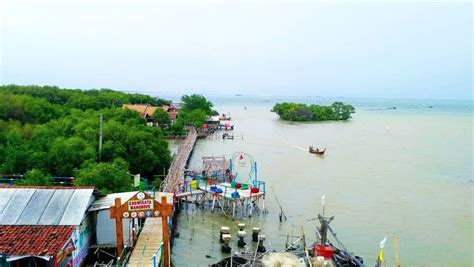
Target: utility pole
(101,122)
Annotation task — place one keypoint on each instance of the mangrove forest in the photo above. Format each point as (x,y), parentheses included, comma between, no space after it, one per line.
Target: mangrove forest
(337,111)
(48,132)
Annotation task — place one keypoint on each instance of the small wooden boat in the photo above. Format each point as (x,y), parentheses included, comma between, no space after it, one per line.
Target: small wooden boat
(228,136)
(316,151)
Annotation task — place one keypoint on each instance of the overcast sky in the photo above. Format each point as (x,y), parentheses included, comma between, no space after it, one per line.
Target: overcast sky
(319,48)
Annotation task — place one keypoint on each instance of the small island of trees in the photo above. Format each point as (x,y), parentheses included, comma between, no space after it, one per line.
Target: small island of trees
(337,111)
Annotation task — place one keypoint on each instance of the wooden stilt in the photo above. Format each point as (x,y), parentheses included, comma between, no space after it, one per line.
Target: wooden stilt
(213,202)
(233,209)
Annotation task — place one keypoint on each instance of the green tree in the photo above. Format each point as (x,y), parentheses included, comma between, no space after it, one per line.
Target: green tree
(108,177)
(194,102)
(36,177)
(161,117)
(67,154)
(342,111)
(301,112)
(197,117)
(56,131)
(178,127)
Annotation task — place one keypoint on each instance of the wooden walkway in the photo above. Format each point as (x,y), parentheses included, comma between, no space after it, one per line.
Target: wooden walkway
(178,165)
(147,244)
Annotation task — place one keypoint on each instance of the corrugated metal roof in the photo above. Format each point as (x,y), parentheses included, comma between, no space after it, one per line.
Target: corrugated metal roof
(44,206)
(109,200)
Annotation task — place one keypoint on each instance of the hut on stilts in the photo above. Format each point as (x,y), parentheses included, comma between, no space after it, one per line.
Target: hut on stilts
(218,186)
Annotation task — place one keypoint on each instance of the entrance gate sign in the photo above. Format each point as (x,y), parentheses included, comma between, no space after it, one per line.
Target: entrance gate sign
(141,205)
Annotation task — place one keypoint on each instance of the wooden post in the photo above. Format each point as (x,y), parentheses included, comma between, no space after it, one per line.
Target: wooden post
(163,209)
(166,241)
(118,226)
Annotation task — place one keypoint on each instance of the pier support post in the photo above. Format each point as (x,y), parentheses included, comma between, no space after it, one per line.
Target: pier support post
(213,202)
(233,209)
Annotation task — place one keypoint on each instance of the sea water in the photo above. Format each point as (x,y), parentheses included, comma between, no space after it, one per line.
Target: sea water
(405,171)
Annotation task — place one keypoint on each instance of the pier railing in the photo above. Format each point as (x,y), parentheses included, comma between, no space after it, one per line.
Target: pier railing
(199,183)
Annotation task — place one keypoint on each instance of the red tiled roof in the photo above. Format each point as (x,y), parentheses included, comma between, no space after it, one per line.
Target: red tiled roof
(33,239)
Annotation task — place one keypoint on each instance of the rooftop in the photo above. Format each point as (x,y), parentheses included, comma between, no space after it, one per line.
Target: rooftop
(146,111)
(37,205)
(109,200)
(40,240)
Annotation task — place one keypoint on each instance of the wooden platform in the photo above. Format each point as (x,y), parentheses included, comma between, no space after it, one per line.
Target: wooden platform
(147,244)
(228,193)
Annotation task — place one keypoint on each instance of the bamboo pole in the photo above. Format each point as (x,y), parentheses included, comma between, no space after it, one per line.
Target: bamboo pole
(278,202)
(395,245)
(305,248)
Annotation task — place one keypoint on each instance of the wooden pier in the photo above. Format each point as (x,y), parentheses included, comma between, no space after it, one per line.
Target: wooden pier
(147,250)
(178,165)
(150,246)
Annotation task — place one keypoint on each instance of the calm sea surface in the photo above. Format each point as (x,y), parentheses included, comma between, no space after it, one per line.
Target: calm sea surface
(415,180)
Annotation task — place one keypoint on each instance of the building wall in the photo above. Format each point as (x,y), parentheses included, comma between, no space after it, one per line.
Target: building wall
(106,229)
(82,239)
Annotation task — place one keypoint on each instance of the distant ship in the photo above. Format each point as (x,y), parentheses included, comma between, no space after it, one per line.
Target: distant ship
(238,94)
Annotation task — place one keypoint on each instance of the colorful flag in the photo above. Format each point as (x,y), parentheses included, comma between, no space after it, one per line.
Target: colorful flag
(382,245)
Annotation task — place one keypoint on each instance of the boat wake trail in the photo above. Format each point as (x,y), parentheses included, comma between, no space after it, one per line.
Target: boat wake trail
(300,148)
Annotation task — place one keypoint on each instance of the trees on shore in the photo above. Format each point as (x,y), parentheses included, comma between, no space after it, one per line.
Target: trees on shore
(302,112)
(47,131)
(194,111)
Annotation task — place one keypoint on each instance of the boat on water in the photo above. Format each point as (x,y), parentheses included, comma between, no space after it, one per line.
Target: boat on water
(320,252)
(227,136)
(316,151)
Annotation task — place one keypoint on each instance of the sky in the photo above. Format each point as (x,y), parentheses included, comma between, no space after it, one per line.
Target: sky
(373,49)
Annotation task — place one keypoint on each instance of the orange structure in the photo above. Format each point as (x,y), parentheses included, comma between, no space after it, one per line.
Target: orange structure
(142,205)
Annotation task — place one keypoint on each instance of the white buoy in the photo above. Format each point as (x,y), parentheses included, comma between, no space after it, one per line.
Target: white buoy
(241,243)
(226,237)
(255,233)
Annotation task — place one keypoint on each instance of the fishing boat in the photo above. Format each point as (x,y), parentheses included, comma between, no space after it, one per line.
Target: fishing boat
(316,151)
(338,254)
(320,252)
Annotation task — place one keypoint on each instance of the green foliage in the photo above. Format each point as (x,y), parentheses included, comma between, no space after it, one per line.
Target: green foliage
(301,112)
(197,117)
(50,130)
(36,177)
(27,109)
(178,127)
(195,109)
(82,99)
(67,154)
(195,101)
(108,176)
(161,117)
